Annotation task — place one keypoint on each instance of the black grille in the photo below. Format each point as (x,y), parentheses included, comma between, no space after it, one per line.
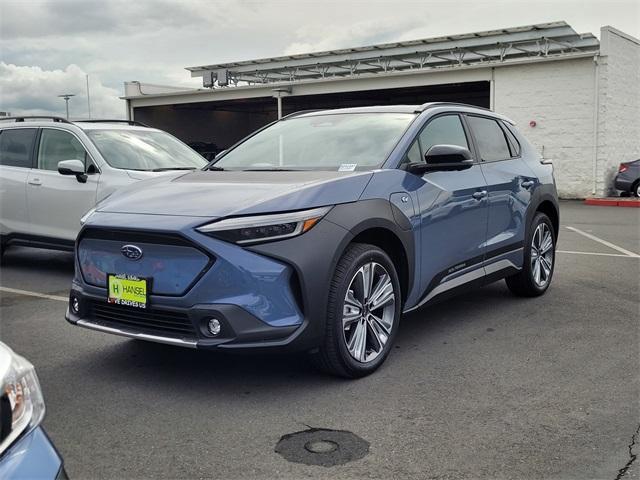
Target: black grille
(160,238)
(168,323)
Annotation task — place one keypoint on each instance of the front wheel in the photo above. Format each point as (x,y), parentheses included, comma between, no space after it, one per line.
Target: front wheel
(539,259)
(363,313)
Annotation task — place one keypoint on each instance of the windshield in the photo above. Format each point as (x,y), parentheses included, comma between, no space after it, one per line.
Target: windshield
(144,150)
(321,142)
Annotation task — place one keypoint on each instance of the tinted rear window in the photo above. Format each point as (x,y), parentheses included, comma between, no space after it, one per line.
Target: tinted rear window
(16,146)
(491,140)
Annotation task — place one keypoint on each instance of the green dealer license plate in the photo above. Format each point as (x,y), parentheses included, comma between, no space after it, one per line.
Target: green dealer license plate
(128,290)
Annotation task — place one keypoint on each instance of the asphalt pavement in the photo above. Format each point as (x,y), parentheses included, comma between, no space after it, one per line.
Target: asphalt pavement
(486,385)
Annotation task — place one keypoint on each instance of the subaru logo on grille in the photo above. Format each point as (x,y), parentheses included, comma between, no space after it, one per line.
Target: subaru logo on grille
(131,252)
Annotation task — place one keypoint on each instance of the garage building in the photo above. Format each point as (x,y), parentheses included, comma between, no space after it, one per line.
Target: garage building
(575,97)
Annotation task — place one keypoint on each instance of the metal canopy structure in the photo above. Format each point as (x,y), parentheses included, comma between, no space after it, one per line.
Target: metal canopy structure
(546,40)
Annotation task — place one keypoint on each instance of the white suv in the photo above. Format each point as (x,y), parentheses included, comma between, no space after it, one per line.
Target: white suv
(52,171)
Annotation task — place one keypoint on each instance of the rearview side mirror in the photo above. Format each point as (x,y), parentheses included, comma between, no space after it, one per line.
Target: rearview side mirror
(443,157)
(447,154)
(73,167)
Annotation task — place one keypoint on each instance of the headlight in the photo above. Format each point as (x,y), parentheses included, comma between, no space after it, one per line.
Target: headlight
(21,402)
(86,216)
(262,228)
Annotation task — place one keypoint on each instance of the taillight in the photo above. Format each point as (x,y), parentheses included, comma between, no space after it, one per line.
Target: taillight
(623,168)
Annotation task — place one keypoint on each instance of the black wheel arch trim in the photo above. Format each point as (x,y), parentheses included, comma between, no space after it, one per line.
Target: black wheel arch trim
(365,215)
(541,195)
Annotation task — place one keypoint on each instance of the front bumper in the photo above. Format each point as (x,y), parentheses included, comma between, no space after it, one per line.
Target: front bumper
(32,456)
(265,296)
(240,329)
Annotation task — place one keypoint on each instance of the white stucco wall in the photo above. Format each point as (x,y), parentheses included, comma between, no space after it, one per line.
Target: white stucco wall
(618,105)
(559,97)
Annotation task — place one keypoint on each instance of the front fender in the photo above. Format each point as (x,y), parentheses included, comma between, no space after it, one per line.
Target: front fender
(314,256)
(365,215)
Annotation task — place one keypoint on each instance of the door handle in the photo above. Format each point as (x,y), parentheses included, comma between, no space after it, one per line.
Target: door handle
(528,184)
(35,181)
(479,195)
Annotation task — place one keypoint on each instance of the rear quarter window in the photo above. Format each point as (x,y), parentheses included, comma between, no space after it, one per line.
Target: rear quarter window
(514,144)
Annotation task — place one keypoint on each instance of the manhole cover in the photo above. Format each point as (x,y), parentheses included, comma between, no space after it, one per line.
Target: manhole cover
(319,446)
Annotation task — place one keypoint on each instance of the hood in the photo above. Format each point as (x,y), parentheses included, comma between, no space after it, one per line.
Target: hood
(215,194)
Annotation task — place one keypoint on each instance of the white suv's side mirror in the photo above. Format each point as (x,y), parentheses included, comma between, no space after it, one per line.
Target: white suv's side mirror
(73,167)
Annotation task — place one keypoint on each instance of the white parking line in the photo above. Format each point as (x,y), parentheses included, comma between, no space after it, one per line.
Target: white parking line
(596,253)
(34,294)
(604,242)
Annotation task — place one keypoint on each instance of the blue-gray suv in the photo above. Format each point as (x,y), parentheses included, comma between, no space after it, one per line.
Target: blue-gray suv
(319,231)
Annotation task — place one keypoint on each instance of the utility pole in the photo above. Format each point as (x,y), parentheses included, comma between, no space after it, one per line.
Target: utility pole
(66,97)
(88,98)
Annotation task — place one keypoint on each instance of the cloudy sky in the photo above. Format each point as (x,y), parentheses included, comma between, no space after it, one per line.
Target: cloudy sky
(48,46)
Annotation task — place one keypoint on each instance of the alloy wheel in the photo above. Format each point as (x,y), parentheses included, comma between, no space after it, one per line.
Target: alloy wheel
(368,312)
(542,253)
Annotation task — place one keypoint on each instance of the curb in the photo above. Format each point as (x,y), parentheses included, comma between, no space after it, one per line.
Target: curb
(613,202)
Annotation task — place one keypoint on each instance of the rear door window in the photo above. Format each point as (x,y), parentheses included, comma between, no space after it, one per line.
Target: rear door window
(16,147)
(490,139)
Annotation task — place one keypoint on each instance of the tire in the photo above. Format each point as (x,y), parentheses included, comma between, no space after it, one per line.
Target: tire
(360,347)
(533,280)
(636,189)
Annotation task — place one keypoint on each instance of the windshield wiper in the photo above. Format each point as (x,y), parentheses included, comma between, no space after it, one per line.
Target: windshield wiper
(274,169)
(166,169)
(213,167)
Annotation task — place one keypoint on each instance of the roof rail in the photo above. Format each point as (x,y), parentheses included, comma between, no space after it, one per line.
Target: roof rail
(31,117)
(302,112)
(133,123)
(427,105)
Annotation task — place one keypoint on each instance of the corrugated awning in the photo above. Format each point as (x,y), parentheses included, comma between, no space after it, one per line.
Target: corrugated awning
(542,40)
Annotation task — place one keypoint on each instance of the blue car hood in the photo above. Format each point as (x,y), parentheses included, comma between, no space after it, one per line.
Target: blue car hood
(216,194)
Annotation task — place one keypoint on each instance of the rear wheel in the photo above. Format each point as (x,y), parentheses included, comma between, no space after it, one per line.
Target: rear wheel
(539,259)
(363,313)
(636,189)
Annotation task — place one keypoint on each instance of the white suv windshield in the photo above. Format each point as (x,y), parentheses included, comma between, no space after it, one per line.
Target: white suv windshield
(347,141)
(144,150)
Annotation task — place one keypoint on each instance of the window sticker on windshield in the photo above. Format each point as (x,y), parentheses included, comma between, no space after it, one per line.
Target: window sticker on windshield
(347,167)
